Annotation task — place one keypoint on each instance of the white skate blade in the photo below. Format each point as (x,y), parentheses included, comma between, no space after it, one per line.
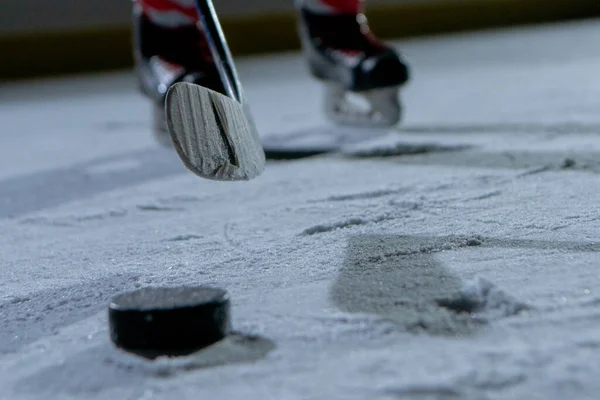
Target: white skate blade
(380,108)
(212,134)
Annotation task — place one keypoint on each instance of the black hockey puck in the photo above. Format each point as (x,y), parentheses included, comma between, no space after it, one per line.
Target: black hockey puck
(169,321)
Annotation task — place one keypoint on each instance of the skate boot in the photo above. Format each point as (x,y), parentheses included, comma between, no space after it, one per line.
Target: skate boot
(167,54)
(354,65)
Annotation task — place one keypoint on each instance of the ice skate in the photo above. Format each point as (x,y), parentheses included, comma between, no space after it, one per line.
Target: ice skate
(362,76)
(165,55)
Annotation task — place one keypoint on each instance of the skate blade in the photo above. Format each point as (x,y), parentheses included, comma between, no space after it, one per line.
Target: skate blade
(379,108)
(213,134)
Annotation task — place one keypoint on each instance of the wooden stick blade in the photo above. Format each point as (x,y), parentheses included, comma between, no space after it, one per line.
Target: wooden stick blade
(213,134)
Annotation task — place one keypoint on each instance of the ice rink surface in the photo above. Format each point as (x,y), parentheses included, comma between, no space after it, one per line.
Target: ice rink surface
(456,258)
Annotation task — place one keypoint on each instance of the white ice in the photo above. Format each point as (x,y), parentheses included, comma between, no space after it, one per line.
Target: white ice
(462,264)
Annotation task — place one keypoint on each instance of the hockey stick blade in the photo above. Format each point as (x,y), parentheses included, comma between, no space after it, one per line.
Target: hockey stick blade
(212,134)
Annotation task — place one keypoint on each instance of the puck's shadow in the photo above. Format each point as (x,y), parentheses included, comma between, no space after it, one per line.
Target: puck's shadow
(152,354)
(105,367)
(234,348)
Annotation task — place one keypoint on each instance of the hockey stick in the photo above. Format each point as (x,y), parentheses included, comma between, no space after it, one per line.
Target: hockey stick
(213,134)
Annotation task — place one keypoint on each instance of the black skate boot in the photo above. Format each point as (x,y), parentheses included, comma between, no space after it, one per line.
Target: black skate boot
(165,56)
(341,51)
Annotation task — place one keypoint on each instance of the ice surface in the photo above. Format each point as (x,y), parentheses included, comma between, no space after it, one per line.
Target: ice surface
(465,270)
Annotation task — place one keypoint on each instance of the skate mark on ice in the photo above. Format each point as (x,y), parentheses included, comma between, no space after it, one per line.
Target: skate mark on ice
(16,300)
(335,226)
(399,279)
(75,220)
(347,223)
(525,127)
(571,247)
(535,171)
(424,246)
(486,196)
(157,208)
(560,227)
(567,164)
(45,312)
(530,162)
(374,194)
(183,238)
(40,190)
(87,373)
(173,203)
(425,392)
(179,199)
(400,148)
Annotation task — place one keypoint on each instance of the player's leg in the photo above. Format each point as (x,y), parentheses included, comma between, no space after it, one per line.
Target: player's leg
(170,48)
(342,52)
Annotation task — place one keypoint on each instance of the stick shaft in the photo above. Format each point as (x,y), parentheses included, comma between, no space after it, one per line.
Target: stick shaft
(220,51)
